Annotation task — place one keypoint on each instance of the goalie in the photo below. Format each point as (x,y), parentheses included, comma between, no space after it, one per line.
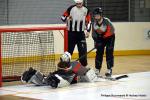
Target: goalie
(64,76)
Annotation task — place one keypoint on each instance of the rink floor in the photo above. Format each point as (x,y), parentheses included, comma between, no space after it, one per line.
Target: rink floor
(135,87)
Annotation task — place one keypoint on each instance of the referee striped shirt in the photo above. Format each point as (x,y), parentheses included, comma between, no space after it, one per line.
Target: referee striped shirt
(80,19)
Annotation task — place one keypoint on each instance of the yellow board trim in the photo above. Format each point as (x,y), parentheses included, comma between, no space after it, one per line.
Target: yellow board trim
(116,53)
(74,56)
(131,52)
(27,59)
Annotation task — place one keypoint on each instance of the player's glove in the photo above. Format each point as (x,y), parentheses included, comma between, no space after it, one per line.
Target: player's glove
(52,80)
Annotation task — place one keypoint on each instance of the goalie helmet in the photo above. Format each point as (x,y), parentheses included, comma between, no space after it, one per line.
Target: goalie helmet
(78,1)
(66,57)
(98,11)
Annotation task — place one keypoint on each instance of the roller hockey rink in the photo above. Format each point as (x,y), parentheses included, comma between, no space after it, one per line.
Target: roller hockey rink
(135,87)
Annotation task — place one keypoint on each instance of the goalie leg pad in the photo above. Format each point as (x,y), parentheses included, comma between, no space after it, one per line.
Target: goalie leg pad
(37,79)
(90,76)
(63,82)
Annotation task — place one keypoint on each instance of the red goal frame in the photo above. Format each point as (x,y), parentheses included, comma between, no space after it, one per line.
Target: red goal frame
(26,29)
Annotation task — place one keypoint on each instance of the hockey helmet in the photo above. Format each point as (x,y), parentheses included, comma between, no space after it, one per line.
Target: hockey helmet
(66,57)
(98,11)
(78,1)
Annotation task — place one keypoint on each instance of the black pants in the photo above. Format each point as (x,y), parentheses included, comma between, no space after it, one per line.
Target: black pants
(78,38)
(101,44)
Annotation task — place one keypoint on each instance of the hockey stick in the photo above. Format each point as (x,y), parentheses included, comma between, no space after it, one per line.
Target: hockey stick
(104,77)
(115,78)
(85,54)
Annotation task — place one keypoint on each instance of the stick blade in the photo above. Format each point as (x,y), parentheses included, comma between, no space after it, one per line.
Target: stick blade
(122,76)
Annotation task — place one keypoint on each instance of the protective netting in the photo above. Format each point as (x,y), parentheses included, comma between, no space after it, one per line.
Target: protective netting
(115,10)
(32,11)
(21,50)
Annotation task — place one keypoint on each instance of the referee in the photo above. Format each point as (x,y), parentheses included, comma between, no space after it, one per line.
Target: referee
(78,20)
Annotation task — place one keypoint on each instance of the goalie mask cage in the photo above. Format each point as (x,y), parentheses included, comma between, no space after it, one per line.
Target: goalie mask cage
(24,47)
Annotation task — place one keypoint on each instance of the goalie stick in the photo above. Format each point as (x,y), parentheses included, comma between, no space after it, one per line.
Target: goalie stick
(114,78)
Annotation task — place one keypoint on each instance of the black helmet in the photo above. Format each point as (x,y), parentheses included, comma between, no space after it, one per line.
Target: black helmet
(98,11)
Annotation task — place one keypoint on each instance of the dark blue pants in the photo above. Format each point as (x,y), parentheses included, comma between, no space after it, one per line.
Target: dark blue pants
(78,38)
(101,44)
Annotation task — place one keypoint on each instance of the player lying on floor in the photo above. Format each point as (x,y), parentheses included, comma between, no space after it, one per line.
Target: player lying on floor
(64,76)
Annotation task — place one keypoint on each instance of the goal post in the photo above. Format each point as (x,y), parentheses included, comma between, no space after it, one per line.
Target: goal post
(27,46)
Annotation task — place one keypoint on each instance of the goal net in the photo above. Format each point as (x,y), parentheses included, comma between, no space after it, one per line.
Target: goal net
(24,47)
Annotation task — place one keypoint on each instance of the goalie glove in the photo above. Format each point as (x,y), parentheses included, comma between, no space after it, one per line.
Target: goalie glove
(52,80)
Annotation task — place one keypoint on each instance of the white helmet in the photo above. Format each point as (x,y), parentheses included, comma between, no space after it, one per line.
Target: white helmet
(78,1)
(66,57)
